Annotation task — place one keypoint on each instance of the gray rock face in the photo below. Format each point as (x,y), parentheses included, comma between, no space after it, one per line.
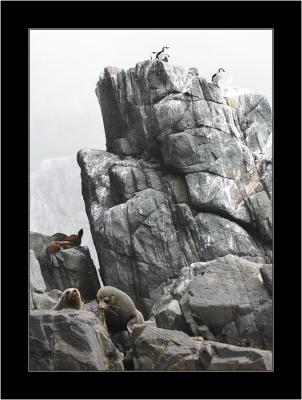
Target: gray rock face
(267,276)
(70,340)
(46,300)
(37,287)
(187,177)
(168,314)
(156,349)
(221,236)
(225,300)
(37,242)
(216,356)
(74,268)
(37,283)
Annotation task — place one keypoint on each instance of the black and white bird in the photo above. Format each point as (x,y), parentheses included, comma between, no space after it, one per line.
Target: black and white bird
(216,78)
(161,55)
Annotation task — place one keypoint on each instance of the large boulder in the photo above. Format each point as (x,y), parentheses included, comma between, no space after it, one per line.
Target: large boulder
(156,349)
(226,300)
(70,340)
(168,314)
(215,356)
(72,268)
(45,300)
(186,177)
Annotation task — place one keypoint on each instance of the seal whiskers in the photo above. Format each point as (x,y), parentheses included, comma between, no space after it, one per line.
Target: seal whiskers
(109,309)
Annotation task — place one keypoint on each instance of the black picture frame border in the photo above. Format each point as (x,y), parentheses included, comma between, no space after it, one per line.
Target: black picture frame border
(285,19)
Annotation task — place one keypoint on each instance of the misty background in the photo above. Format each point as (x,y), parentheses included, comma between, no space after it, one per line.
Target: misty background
(65,115)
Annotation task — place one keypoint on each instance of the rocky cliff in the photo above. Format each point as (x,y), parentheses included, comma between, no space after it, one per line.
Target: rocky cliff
(187,177)
(180,213)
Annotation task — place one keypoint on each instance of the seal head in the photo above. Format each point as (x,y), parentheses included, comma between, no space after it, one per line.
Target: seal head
(70,298)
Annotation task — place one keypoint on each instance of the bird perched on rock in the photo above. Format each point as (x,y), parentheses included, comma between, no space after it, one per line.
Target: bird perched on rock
(161,55)
(216,78)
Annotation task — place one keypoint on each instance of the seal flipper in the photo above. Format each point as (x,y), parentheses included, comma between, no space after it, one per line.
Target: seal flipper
(54,261)
(131,323)
(137,319)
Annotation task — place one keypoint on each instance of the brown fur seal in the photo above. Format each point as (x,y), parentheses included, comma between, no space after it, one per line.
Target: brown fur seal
(53,247)
(62,242)
(70,298)
(119,310)
(58,236)
(72,240)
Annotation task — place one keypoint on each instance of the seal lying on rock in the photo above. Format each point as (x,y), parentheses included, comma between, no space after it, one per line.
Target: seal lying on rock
(61,242)
(58,236)
(70,298)
(72,240)
(119,310)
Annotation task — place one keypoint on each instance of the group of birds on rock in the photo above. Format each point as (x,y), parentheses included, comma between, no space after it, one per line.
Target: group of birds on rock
(164,56)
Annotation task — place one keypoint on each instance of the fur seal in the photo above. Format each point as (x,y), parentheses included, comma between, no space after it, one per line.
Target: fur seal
(58,236)
(119,310)
(70,298)
(71,240)
(60,241)
(53,247)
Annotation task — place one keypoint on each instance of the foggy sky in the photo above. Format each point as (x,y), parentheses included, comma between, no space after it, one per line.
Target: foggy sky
(65,65)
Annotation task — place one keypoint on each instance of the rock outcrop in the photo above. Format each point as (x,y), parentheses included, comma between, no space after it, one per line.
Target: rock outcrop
(180,213)
(186,178)
(66,340)
(70,340)
(224,300)
(74,268)
(216,356)
(156,349)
